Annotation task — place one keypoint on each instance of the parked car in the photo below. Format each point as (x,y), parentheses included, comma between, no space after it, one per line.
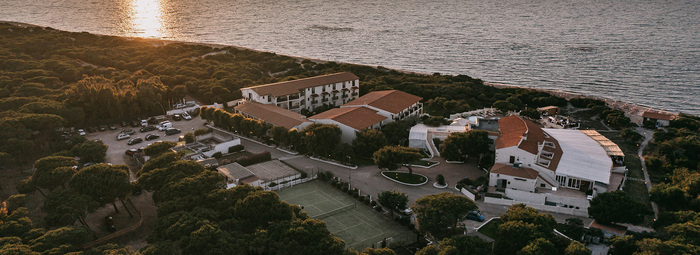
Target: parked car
(131,152)
(128,132)
(109,222)
(135,123)
(475,216)
(172,131)
(134,141)
(186,116)
(124,124)
(179,105)
(144,123)
(122,136)
(147,129)
(92,129)
(177,117)
(152,136)
(103,127)
(165,125)
(112,127)
(81,132)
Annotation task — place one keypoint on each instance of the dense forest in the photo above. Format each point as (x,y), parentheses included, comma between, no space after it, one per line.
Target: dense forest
(51,79)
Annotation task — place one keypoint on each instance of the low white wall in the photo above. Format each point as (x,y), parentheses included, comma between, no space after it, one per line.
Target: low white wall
(223,147)
(563,210)
(468,194)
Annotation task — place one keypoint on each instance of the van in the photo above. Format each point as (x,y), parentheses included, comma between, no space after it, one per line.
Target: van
(165,125)
(144,123)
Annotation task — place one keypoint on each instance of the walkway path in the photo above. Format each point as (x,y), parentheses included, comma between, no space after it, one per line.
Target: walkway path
(648,135)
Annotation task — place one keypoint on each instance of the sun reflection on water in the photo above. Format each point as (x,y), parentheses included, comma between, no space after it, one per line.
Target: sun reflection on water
(149,18)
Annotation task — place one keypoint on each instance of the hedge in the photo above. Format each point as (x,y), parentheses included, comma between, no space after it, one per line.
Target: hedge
(255,159)
(235,148)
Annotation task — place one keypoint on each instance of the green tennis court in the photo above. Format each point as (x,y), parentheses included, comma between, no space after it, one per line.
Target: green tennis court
(356,223)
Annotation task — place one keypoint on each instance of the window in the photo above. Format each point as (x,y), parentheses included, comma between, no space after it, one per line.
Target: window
(542,185)
(512,159)
(520,179)
(550,144)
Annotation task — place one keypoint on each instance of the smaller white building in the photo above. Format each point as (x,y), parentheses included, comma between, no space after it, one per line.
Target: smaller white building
(421,136)
(393,104)
(661,119)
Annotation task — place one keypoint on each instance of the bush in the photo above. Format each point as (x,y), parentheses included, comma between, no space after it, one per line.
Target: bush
(255,159)
(378,208)
(361,198)
(440,180)
(304,175)
(322,176)
(272,184)
(329,175)
(344,187)
(366,201)
(373,203)
(202,131)
(235,148)
(354,194)
(217,154)
(16,201)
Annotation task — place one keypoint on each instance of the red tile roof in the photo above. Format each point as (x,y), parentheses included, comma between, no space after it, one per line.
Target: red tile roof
(296,86)
(271,114)
(513,129)
(508,169)
(658,115)
(393,101)
(358,118)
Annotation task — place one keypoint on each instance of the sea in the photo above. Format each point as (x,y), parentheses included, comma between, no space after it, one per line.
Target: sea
(645,52)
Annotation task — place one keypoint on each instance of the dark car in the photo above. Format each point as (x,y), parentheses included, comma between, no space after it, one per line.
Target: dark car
(475,216)
(172,131)
(92,129)
(135,123)
(131,152)
(135,141)
(124,124)
(147,129)
(128,131)
(177,117)
(152,137)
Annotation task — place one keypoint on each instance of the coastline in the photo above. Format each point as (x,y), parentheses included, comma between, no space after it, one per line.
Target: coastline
(633,110)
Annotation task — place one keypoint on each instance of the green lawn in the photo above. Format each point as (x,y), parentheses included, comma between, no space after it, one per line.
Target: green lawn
(491,228)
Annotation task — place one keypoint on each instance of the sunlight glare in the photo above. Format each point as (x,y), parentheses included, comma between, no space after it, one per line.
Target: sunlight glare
(147,18)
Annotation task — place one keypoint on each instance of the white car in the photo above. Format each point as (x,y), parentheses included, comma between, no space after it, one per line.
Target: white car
(165,125)
(179,106)
(81,132)
(186,116)
(122,136)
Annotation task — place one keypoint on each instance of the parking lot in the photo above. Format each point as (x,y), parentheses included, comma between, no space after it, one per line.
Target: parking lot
(115,152)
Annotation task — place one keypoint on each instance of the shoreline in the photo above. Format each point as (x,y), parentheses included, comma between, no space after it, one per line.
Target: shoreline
(629,108)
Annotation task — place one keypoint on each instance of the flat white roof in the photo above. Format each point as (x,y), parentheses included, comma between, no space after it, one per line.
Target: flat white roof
(582,156)
(420,131)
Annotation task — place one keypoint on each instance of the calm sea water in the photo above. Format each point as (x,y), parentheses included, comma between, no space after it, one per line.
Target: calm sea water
(640,51)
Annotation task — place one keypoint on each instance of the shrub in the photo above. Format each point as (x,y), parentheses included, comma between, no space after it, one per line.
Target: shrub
(202,131)
(366,201)
(373,203)
(235,148)
(304,175)
(272,184)
(189,137)
(354,194)
(217,155)
(255,158)
(329,174)
(333,182)
(322,176)
(440,180)
(344,188)
(378,208)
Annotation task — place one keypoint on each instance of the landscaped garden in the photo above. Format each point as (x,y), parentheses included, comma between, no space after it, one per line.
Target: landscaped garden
(405,177)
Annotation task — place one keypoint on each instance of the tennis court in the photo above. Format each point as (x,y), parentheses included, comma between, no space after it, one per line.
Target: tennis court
(357,224)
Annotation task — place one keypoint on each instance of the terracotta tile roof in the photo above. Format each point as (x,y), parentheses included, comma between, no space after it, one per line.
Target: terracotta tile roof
(358,118)
(296,86)
(508,169)
(272,114)
(658,115)
(393,101)
(513,129)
